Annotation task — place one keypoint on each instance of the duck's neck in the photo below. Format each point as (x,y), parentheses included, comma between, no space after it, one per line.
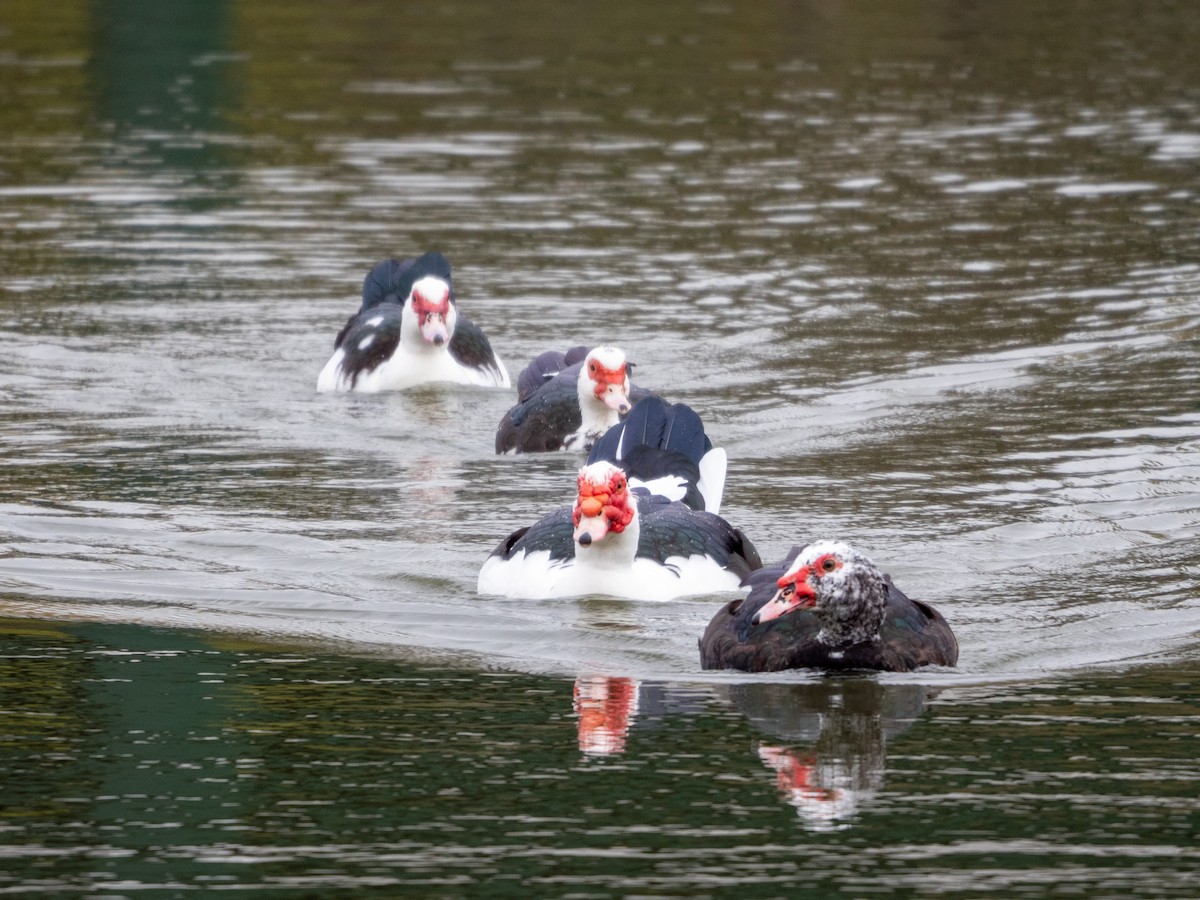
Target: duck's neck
(617,550)
(851,611)
(597,416)
(843,637)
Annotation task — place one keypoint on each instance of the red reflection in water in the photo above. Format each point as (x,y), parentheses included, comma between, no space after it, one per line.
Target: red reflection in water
(606,708)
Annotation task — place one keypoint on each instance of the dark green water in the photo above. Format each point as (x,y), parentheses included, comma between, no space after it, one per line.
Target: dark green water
(929,271)
(141,759)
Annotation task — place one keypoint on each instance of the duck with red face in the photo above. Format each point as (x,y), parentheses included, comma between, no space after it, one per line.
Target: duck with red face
(566,401)
(432,310)
(409,331)
(826,606)
(603,505)
(619,538)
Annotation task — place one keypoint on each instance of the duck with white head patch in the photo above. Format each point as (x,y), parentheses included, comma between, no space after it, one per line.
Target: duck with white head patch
(409,331)
(826,606)
(566,401)
(620,539)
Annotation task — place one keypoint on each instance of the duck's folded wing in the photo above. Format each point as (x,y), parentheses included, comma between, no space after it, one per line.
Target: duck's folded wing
(543,420)
(368,340)
(553,533)
(471,348)
(544,367)
(673,529)
(392,280)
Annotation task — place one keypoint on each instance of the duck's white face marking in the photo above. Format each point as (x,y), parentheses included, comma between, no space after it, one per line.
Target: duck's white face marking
(608,376)
(435,313)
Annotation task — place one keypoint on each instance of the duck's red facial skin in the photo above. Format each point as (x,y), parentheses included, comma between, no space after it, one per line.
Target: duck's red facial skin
(795,592)
(602,376)
(611,386)
(824,564)
(603,505)
(432,307)
(606,505)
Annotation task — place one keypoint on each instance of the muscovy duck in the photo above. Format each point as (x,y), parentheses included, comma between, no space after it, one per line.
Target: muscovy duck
(566,401)
(620,539)
(826,606)
(409,331)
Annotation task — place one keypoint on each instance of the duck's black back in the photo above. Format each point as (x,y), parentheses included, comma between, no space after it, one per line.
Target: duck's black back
(544,418)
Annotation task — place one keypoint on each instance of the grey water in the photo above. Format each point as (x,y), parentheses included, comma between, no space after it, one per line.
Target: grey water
(930,273)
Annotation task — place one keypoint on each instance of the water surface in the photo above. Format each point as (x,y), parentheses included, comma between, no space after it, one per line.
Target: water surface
(931,276)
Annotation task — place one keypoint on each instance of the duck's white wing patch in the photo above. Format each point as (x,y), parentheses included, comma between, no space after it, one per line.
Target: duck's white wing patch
(712,478)
(670,486)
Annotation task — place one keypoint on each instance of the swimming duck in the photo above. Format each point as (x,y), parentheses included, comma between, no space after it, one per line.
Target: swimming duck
(826,606)
(566,401)
(622,539)
(409,331)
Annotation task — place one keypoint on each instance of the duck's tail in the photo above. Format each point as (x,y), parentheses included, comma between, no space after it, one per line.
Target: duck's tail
(664,449)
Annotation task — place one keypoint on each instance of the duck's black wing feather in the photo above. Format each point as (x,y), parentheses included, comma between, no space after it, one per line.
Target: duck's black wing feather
(673,529)
(654,423)
(914,634)
(553,532)
(368,340)
(470,346)
(544,367)
(657,440)
(391,280)
(543,420)
(648,464)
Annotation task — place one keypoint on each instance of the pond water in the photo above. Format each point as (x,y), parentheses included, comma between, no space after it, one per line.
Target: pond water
(931,275)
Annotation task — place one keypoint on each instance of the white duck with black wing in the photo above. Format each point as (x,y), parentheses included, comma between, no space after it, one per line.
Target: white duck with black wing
(409,331)
(566,401)
(621,539)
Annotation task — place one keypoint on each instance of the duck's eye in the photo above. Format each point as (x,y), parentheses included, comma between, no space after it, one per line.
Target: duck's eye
(788,591)
(828,564)
(592,368)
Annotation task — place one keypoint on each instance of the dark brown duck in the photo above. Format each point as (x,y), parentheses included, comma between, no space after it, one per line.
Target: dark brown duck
(826,606)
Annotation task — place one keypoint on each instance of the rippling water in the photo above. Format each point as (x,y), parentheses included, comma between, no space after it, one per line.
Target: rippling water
(931,277)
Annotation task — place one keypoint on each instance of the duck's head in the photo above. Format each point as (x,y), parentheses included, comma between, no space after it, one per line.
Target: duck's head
(603,504)
(842,587)
(606,377)
(430,300)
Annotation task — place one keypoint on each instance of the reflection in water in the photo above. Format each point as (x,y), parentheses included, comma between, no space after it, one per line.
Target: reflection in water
(159,69)
(932,278)
(843,725)
(606,708)
(824,792)
(827,740)
(173,762)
